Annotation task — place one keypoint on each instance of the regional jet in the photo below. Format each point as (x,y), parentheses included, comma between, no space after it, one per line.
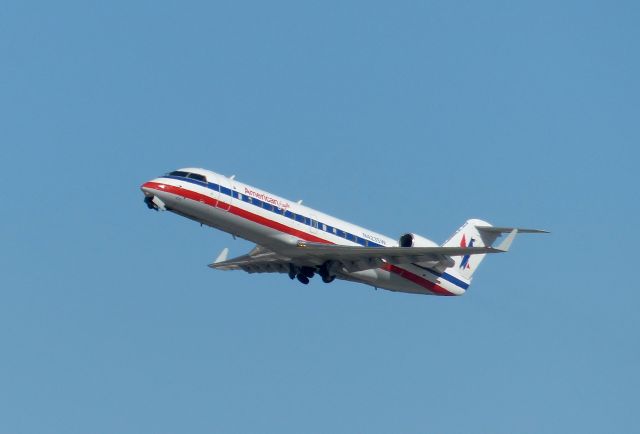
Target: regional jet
(302,242)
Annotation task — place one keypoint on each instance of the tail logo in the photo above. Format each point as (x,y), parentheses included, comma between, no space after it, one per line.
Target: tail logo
(465,259)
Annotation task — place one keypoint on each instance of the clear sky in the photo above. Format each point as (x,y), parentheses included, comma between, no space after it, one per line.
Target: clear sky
(399,116)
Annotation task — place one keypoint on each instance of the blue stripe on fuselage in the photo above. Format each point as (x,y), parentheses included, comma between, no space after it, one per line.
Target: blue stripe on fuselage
(307,222)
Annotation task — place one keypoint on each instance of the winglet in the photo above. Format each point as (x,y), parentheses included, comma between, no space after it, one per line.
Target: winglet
(222,256)
(504,245)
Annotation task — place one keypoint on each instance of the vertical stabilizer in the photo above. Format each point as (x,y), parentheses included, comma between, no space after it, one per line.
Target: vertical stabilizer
(469,236)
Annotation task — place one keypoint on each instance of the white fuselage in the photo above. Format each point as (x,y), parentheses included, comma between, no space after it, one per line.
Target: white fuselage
(279,224)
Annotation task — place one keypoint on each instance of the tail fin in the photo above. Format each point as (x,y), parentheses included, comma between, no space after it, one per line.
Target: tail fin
(470,236)
(478,233)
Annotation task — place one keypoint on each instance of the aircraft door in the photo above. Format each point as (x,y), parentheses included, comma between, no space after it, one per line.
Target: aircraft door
(225,194)
(314,224)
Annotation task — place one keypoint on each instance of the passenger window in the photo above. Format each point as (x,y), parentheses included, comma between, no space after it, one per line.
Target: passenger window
(267,206)
(289,214)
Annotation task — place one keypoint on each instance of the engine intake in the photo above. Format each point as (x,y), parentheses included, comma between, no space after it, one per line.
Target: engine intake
(413,240)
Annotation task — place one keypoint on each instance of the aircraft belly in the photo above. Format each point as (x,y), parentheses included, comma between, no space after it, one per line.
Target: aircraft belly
(408,280)
(394,282)
(383,279)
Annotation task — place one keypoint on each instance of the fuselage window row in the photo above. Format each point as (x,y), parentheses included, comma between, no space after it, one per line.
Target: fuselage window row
(201,180)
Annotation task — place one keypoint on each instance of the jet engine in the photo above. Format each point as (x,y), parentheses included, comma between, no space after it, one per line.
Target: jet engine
(413,240)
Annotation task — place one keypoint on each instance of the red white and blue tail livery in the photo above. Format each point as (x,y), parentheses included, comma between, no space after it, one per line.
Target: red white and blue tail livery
(302,242)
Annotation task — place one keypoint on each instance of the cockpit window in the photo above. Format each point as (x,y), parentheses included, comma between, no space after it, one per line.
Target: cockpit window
(197,177)
(183,174)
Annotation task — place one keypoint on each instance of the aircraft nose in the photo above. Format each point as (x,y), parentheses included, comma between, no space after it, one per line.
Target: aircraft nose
(151,198)
(146,187)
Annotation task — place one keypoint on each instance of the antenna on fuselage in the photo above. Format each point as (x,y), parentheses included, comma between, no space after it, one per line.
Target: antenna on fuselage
(299,202)
(232,177)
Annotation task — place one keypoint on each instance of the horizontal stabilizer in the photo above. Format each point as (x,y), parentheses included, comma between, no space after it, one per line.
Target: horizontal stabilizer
(506,230)
(506,243)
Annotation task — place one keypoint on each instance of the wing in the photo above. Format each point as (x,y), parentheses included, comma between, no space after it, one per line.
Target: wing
(351,258)
(258,260)
(356,258)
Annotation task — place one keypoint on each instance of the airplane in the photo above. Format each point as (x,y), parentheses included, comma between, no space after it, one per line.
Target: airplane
(299,241)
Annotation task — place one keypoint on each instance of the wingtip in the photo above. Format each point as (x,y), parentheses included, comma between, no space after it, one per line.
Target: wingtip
(221,257)
(533,231)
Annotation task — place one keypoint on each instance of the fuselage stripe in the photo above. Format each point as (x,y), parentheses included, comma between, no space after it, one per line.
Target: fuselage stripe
(198,197)
(304,220)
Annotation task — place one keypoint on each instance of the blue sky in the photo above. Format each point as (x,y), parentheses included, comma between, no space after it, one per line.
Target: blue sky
(399,116)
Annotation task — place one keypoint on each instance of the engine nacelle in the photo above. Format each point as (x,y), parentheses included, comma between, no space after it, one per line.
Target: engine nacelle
(413,240)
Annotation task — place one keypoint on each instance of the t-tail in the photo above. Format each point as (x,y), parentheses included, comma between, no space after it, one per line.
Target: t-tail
(478,233)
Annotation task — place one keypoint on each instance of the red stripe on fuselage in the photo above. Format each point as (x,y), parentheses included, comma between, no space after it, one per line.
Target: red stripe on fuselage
(275,225)
(416,279)
(202,198)
(199,197)
(180,191)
